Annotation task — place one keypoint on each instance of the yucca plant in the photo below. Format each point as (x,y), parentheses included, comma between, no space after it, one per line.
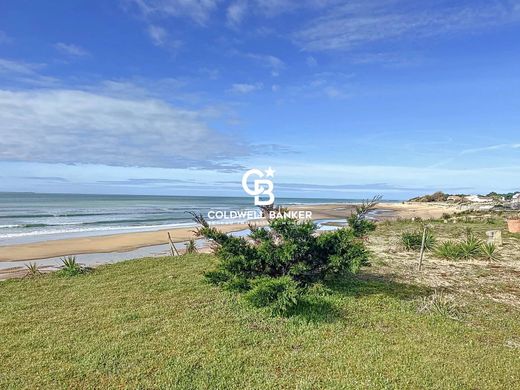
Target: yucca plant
(191,247)
(489,251)
(70,266)
(471,247)
(413,240)
(440,304)
(449,250)
(32,270)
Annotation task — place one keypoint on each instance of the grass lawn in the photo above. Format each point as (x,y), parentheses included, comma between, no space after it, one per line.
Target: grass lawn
(155,323)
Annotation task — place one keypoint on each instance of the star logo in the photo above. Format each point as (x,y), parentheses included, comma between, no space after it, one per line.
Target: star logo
(269,172)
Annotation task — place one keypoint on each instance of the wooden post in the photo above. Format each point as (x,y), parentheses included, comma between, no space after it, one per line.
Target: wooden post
(172,246)
(422,247)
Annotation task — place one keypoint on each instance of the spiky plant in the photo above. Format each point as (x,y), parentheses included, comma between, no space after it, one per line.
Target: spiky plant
(70,267)
(489,251)
(448,250)
(191,247)
(440,304)
(32,270)
(470,248)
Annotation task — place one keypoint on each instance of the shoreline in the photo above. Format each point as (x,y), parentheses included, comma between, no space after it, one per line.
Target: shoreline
(125,242)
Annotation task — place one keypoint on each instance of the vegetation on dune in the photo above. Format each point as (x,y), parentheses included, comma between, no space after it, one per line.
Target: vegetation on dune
(438,196)
(471,247)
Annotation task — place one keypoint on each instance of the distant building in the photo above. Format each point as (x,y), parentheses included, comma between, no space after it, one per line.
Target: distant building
(515,202)
(478,199)
(455,198)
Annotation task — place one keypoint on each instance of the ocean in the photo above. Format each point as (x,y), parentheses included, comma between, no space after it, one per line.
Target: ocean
(31,217)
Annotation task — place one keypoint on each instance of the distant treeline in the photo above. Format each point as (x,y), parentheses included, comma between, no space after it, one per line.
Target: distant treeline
(496,195)
(440,196)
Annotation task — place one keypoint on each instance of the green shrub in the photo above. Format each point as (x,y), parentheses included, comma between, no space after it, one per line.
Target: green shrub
(358,222)
(278,294)
(217,277)
(412,241)
(285,250)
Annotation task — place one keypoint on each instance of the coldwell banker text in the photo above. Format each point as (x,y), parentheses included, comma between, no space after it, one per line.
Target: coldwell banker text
(262,188)
(251,214)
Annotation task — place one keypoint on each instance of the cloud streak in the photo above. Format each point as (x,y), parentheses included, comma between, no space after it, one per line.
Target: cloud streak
(363,22)
(244,88)
(70,49)
(73,126)
(197,10)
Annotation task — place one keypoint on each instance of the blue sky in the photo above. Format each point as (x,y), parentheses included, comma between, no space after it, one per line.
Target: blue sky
(343,99)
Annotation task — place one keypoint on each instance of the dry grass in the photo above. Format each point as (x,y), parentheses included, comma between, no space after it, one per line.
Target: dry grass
(498,281)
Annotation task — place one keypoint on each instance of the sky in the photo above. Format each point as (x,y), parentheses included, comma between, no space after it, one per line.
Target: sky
(343,99)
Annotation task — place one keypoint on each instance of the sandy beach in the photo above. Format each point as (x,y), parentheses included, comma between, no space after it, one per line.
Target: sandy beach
(130,241)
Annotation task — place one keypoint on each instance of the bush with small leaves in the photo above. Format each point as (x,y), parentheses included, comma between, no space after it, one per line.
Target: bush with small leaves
(286,249)
(278,294)
(358,221)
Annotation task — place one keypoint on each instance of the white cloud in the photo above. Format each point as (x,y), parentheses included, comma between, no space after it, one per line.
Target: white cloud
(73,126)
(157,34)
(9,66)
(18,72)
(274,63)
(246,88)
(491,148)
(70,49)
(236,12)
(197,10)
(496,178)
(331,85)
(361,22)
(311,62)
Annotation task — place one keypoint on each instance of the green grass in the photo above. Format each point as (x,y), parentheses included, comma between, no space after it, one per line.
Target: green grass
(155,323)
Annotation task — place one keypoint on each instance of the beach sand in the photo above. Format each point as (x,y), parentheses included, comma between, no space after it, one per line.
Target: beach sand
(130,241)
